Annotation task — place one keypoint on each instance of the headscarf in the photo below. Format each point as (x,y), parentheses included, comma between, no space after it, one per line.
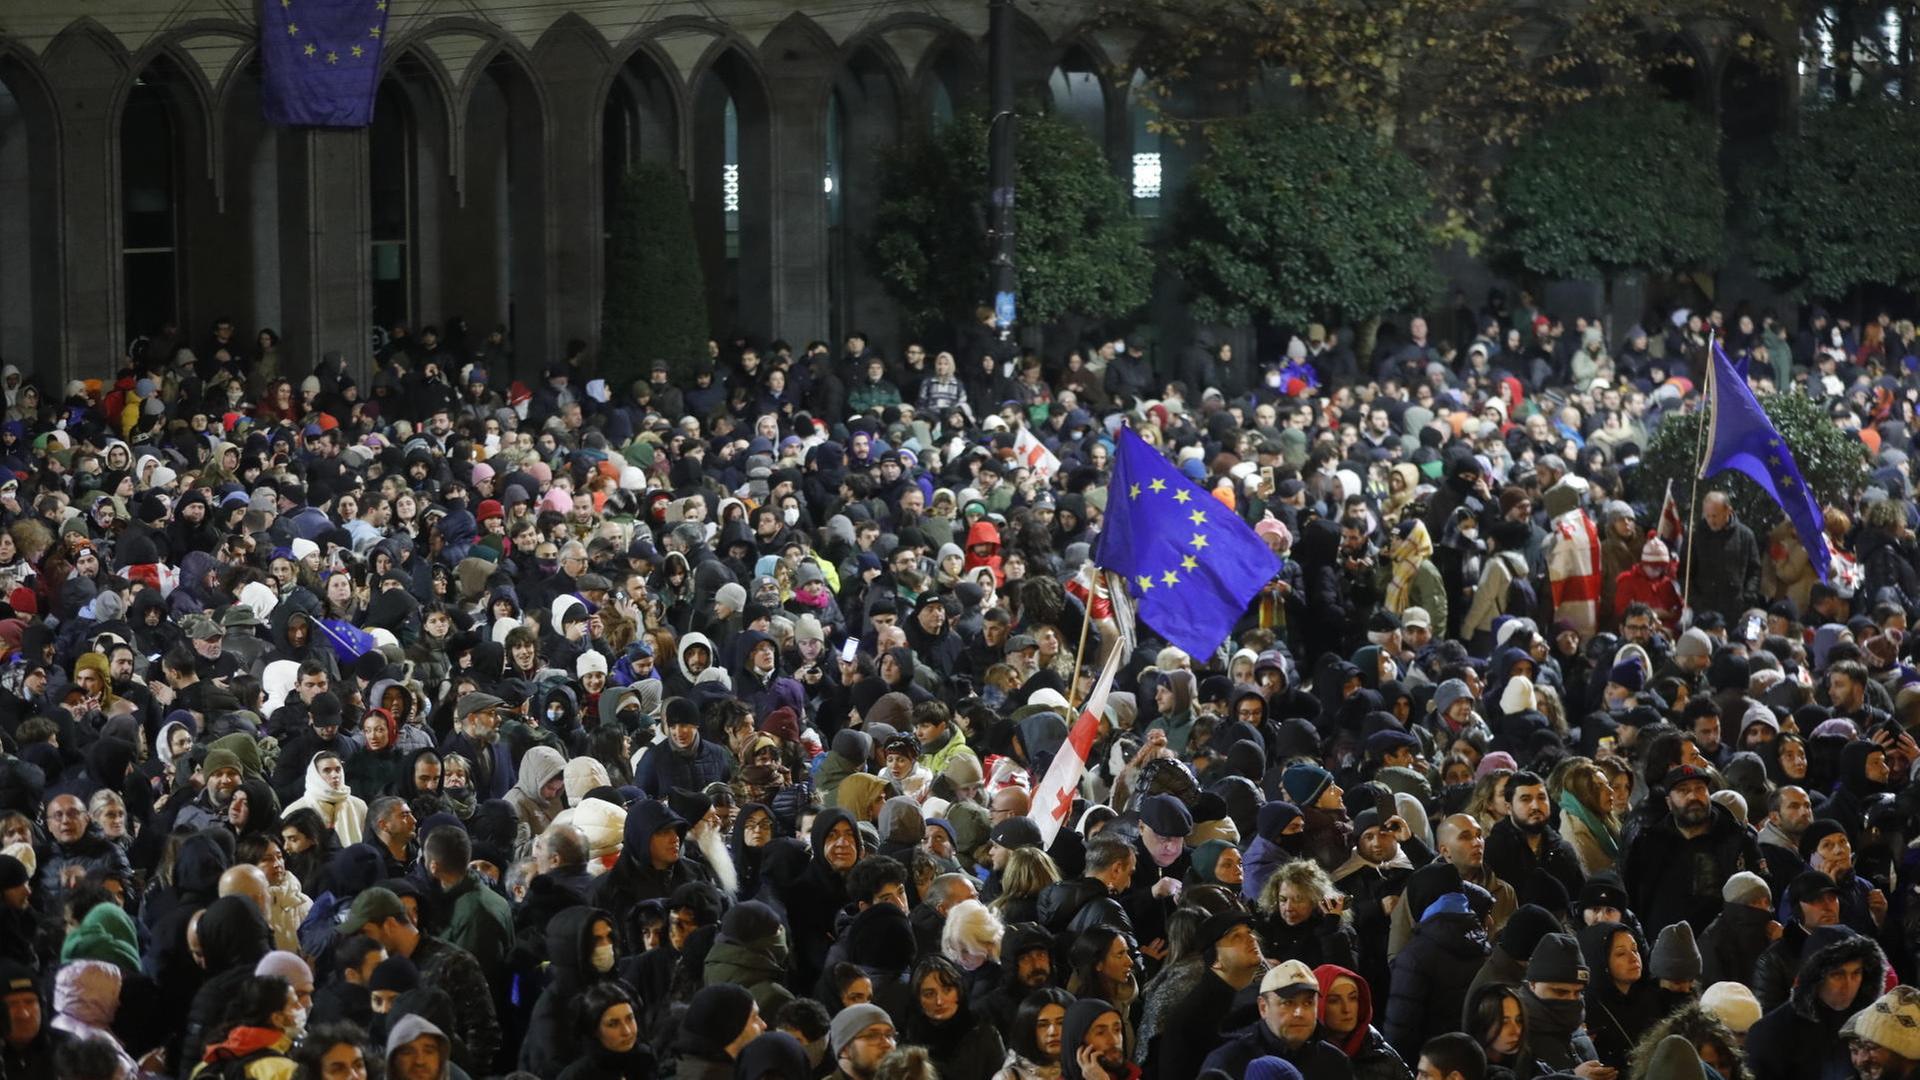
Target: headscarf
(1408,553)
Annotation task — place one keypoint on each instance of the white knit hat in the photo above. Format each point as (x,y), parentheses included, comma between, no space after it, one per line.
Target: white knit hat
(1893,1022)
(1733,1003)
(591,660)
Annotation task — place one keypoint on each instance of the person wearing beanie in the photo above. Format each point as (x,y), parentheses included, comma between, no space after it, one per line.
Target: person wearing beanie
(1842,974)
(1735,941)
(1825,847)
(1328,830)
(858,1038)
(1676,966)
(1429,977)
(1674,866)
(1692,656)
(685,759)
(719,1022)
(1093,1043)
(1554,997)
(1506,964)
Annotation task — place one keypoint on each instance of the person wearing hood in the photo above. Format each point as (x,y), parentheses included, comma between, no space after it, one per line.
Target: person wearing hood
(418,1050)
(267,1015)
(328,794)
(86,999)
(1281,836)
(814,899)
(686,760)
(1346,1021)
(1622,1003)
(1173,698)
(581,946)
(607,1019)
(650,866)
(1842,974)
(751,952)
(539,794)
(233,937)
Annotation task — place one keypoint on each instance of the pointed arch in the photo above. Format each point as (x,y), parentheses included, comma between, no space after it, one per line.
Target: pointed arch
(732,186)
(410,186)
(31,308)
(865,119)
(163,140)
(952,78)
(494,244)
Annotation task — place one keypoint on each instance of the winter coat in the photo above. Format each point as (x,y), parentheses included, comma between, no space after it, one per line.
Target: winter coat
(1510,856)
(1670,877)
(664,768)
(1430,979)
(1726,570)
(1800,1040)
(540,766)
(1732,946)
(552,1038)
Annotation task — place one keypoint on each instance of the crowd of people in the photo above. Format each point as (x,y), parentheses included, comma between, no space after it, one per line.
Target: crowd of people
(454,726)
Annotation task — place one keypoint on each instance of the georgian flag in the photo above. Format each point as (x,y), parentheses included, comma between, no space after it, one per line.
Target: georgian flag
(1034,454)
(1053,797)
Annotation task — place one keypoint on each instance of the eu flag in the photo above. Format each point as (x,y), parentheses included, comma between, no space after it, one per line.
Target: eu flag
(1192,564)
(1740,437)
(320,61)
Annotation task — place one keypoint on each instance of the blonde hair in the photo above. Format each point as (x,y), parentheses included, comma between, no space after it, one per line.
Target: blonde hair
(1028,871)
(1303,874)
(971,928)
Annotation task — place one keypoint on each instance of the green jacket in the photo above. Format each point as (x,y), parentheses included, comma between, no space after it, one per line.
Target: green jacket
(480,921)
(756,967)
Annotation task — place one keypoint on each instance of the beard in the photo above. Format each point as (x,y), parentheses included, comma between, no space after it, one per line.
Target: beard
(1531,828)
(713,849)
(1693,816)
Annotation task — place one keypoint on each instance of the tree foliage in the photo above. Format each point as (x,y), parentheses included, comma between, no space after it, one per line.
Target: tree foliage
(656,302)
(1079,250)
(1836,208)
(1293,220)
(1833,461)
(1614,187)
(1449,81)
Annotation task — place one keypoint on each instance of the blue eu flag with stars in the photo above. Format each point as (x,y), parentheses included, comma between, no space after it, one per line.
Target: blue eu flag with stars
(1192,564)
(320,61)
(1741,437)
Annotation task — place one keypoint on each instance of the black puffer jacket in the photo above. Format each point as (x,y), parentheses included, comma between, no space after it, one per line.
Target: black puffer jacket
(552,1038)
(1430,979)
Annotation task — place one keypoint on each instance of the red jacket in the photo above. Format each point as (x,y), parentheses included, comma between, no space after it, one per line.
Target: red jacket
(1661,594)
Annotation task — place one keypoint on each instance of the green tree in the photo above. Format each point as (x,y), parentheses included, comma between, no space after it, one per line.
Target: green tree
(1078,247)
(656,300)
(1615,187)
(1833,461)
(1447,81)
(1835,209)
(1293,220)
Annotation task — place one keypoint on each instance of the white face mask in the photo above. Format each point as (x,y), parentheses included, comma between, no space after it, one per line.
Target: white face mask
(299,1024)
(603,958)
(791,515)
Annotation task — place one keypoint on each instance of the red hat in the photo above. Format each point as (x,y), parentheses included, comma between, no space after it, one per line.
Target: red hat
(489,508)
(24,601)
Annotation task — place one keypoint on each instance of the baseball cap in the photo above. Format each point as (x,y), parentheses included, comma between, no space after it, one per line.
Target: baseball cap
(1288,976)
(372,906)
(1016,832)
(1682,774)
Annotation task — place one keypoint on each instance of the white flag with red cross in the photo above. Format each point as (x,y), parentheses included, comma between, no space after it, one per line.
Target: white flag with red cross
(1053,796)
(1034,454)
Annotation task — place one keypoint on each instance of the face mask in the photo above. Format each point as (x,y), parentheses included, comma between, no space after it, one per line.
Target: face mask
(603,958)
(791,515)
(299,1024)
(554,714)
(548,567)
(1273,379)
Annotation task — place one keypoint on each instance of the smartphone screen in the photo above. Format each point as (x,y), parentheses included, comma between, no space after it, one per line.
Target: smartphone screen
(849,650)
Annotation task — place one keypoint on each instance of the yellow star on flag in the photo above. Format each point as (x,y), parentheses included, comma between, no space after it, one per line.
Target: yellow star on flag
(1182,496)
(1198,517)
(310,50)
(374,31)
(333,57)
(1133,492)
(1189,563)
(1145,582)
(292,30)
(1170,578)
(1773,459)
(1199,541)
(1158,485)
(1786,481)
(357,51)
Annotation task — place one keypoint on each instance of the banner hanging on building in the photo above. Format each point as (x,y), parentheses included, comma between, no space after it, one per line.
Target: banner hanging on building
(320,61)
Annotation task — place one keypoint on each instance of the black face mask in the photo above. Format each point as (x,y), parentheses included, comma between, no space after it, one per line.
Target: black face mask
(1293,843)
(1561,1016)
(548,566)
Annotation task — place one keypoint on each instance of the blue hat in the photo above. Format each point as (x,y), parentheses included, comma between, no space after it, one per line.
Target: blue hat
(1166,815)
(1629,673)
(1304,784)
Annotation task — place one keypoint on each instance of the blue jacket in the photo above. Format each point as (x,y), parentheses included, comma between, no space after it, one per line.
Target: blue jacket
(663,770)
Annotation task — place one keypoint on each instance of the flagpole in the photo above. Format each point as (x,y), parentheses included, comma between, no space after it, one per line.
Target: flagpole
(1699,456)
(1086,617)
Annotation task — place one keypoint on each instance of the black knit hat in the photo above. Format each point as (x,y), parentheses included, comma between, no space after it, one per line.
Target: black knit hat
(1557,959)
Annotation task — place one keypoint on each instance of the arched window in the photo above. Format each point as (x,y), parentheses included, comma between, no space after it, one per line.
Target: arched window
(390,176)
(149,201)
